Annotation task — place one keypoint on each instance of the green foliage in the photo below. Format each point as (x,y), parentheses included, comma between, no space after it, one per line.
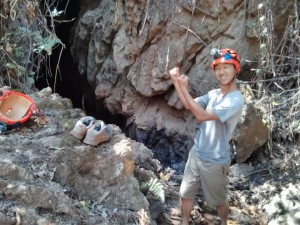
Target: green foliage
(19,52)
(26,45)
(17,60)
(45,44)
(40,42)
(155,188)
(19,70)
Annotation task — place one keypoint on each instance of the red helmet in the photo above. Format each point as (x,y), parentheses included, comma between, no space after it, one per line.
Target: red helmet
(225,55)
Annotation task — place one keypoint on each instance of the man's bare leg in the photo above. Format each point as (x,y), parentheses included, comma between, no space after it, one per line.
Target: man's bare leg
(223,211)
(186,209)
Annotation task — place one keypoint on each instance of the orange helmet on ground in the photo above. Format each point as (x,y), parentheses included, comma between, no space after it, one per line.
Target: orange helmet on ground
(225,55)
(15,109)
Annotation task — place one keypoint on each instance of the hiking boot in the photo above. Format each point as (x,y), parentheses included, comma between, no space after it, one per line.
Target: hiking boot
(98,133)
(82,126)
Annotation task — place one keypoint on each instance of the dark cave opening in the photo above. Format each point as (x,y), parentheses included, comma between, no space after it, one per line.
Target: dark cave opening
(68,82)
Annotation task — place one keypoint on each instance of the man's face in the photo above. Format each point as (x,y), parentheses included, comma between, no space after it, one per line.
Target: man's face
(224,73)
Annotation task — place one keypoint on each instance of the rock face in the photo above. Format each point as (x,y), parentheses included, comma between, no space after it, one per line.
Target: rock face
(252,134)
(126,48)
(47,176)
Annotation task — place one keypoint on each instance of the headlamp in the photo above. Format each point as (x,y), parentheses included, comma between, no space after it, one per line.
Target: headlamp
(216,53)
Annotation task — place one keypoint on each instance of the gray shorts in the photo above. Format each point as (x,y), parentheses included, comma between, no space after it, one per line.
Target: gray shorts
(210,176)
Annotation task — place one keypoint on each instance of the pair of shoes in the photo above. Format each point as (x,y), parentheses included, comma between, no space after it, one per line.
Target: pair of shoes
(93,131)
(98,133)
(82,126)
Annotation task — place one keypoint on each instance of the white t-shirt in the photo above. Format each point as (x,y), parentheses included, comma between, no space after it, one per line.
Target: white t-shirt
(213,136)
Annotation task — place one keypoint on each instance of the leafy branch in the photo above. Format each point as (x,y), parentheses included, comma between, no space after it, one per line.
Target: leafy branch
(26,47)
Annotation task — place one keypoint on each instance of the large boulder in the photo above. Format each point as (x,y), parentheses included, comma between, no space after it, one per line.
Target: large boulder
(252,133)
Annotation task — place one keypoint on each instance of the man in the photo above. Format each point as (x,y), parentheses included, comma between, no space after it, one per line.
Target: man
(218,113)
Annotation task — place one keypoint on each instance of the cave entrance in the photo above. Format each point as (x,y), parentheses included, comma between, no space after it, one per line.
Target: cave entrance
(68,82)
(61,73)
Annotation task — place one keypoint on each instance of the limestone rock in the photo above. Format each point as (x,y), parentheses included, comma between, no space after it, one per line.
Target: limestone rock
(50,171)
(253,133)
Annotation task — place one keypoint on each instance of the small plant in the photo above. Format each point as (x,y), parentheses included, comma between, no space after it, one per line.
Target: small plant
(155,188)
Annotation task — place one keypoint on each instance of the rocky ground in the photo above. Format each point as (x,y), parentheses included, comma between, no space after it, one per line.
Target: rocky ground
(49,177)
